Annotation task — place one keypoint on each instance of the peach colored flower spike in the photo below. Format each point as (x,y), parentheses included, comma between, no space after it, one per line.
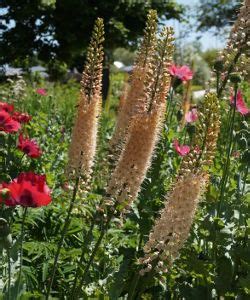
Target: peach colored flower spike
(84,134)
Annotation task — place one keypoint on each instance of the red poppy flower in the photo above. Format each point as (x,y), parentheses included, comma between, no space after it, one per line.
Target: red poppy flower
(7,107)
(181,72)
(191,116)
(29,147)
(241,106)
(28,190)
(7,124)
(41,92)
(21,117)
(182,150)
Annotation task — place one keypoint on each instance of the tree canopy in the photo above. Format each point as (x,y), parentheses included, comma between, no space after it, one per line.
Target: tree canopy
(216,13)
(60,29)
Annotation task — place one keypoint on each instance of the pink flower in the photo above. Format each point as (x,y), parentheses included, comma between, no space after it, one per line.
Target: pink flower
(41,92)
(181,72)
(6,107)
(29,147)
(7,124)
(21,117)
(191,116)
(241,106)
(182,150)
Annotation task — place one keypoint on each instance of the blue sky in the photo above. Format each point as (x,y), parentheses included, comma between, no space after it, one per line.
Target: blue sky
(207,39)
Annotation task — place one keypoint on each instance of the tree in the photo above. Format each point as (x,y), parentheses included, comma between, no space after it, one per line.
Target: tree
(216,14)
(60,29)
(24,30)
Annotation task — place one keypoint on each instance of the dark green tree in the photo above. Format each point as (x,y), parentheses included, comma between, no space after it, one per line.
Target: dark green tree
(25,30)
(60,29)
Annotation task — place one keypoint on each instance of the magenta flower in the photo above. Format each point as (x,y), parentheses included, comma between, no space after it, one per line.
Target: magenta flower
(182,150)
(191,116)
(182,72)
(241,106)
(41,92)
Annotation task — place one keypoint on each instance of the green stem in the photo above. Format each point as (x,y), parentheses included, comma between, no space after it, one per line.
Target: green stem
(78,270)
(217,82)
(9,274)
(64,231)
(226,169)
(132,289)
(242,192)
(230,69)
(21,249)
(92,256)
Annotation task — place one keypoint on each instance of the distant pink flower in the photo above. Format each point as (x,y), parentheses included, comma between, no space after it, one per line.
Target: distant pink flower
(181,72)
(191,116)
(182,150)
(41,92)
(241,106)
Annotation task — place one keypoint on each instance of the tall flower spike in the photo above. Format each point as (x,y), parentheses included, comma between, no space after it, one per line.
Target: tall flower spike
(172,228)
(134,100)
(84,135)
(144,129)
(206,135)
(235,56)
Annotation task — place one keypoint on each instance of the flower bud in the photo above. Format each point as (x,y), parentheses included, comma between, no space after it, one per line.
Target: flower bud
(218,65)
(235,78)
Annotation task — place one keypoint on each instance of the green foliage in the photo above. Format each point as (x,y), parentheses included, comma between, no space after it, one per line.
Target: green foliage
(214,262)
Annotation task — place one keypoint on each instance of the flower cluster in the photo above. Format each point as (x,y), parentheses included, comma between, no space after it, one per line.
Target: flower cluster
(10,122)
(28,189)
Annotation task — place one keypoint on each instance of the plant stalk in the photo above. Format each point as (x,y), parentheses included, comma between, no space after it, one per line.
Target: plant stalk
(229,150)
(64,231)
(21,248)
(75,294)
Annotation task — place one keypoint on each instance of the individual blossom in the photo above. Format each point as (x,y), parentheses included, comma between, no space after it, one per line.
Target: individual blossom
(6,107)
(181,72)
(41,92)
(191,116)
(7,124)
(182,150)
(29,147)
(28,190)
(241,106)
(21,117)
